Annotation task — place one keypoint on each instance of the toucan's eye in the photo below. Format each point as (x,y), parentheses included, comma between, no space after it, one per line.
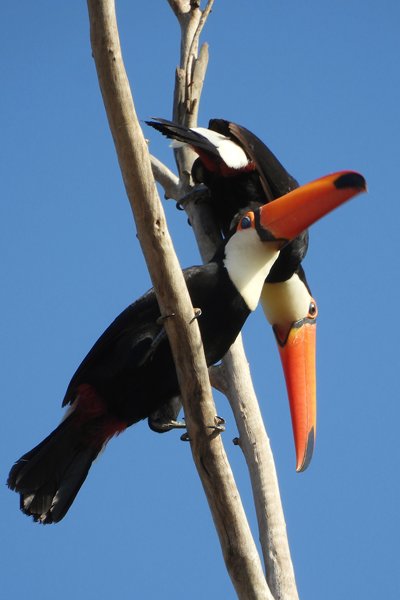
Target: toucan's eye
(312,309)
(245,223)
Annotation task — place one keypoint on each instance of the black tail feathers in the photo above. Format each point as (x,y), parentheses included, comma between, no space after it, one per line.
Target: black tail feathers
(183,134)
(49,476)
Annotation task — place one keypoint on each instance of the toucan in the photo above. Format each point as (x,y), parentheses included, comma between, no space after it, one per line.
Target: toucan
(234,164)
(129,373)
(241,173)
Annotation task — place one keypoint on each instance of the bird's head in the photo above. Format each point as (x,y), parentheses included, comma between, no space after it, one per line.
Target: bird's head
(289,305)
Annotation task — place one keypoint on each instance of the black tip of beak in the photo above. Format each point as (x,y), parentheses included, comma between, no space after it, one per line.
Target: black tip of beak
(309,451)
(351,180)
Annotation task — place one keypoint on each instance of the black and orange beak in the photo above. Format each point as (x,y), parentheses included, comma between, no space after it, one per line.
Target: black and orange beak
(297,352)
(285,218)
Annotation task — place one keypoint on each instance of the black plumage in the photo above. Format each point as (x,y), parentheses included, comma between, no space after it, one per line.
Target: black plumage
(127,375)
(236,190)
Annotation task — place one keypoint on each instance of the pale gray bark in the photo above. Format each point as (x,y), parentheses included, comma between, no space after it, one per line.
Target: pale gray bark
(238,547)
(233,377)
(166,178)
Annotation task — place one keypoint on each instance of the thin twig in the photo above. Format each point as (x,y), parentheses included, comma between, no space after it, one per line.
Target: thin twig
(195,41)
(165,177)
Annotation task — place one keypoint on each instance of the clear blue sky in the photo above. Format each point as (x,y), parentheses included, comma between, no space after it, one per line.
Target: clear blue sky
(319,82)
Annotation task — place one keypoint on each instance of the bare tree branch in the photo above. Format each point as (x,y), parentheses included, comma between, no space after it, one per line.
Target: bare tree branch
(233,377)
(218,378)
(189,79)
(165,177)
(234,380)
(180,7)
(195,40)
(254,442)
(239,550)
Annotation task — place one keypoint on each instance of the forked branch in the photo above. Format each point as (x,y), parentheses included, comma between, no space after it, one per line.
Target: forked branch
(237,544)
(233,377)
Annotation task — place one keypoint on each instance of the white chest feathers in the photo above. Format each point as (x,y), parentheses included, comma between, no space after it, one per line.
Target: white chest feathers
(248,261)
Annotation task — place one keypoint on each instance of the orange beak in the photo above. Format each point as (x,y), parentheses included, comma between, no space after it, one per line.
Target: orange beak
(286,217)
(297,354)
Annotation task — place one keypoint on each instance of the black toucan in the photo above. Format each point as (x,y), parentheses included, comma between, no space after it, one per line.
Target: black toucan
(234,164)
(129,373)
(242,173)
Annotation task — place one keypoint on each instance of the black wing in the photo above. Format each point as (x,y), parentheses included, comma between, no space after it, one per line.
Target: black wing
(183,134)
(126,343)
(275,180)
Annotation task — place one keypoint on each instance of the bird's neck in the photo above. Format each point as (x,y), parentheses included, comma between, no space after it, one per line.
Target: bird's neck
(248,261)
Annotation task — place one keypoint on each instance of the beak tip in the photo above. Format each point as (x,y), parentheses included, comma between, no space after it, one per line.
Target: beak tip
(306,457)
(351,179)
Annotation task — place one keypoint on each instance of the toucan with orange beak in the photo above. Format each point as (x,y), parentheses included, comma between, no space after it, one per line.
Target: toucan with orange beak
(129,373)
(242,173)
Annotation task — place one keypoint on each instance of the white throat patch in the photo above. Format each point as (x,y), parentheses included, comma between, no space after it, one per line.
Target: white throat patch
(285,302)
(248,261)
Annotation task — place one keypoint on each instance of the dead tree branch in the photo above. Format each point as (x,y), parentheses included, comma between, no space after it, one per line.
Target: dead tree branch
(254,442)
(238,546)
(189,76)
(165,177)
(233,377)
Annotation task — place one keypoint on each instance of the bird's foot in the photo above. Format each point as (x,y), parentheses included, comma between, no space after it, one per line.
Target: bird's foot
(165,418)
(162,318)
(218,427)
(219,424)
(161,426)
(197,314)
(199,193)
